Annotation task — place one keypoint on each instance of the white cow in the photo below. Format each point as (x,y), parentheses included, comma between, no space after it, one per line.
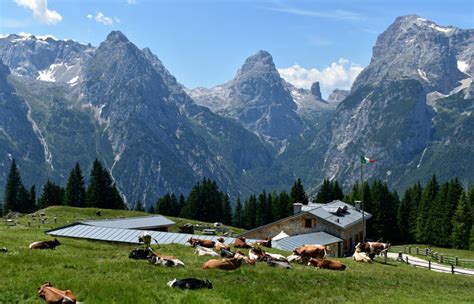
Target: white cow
(361,257)
(199,250)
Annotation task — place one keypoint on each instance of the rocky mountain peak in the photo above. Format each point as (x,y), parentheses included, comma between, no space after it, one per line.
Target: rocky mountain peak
(260,62)
(316,90)
(116,37)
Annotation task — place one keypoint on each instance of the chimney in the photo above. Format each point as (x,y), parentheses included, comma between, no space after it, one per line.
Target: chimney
(297,208)
(357,205)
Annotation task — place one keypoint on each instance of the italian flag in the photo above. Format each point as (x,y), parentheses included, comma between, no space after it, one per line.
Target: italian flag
(366,160)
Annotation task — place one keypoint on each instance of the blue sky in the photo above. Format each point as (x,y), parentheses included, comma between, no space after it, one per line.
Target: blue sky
(203,43)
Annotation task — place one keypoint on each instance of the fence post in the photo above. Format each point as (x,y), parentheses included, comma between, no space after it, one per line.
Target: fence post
(429,264)
(406,257)
(409,249)
(452,268)
(456,261)
(417,250)
(441,258)
(385,257)
(405,250)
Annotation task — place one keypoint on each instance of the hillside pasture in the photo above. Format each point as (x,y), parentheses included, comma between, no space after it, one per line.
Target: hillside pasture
(100,272)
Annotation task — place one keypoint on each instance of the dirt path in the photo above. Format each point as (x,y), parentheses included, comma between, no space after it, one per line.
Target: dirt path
(412,260)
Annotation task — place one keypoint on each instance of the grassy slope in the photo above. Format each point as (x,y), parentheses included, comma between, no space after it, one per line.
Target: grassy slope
(100,272)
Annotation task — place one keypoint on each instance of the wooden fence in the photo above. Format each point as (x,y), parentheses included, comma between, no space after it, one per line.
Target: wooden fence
(436,267)
(435,256)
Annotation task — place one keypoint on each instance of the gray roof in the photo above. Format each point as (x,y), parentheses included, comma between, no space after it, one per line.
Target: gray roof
(141,222)
(127,235)
(290,243)
(310,206)
(339,213)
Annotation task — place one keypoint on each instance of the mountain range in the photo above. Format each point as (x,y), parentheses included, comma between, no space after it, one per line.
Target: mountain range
(410,109)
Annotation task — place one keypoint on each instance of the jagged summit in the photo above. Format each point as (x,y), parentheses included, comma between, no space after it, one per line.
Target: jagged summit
(316,90)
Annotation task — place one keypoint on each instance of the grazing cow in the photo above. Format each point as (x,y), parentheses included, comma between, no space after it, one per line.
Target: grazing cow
(170,261)
(226,253)
(278,263)
(205,251)
(190,283)
(372,248)
(361,257)
(204,243)
(220,244)
(311,251)
(145,238)
(326,264)
(140,254)
(45,244)
(55,296)
(240,242)
(225,264)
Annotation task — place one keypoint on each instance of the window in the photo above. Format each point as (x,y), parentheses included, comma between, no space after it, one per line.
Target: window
(308,223)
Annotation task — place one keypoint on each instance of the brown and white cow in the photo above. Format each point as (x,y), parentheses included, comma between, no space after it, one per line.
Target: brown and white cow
(204,251)
(239,255)
(241,242)
(204,243)
(225,264)
(45,244)
(311,251)
(326,264)
(54,295)
(220,244)
(257,254)
(267,242)
(372,248)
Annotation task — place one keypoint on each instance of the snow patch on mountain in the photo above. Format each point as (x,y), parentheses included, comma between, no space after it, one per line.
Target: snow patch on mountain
(463,66)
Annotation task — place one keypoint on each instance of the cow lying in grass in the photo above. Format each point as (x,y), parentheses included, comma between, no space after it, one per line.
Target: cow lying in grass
(140,254)
(361,257)
(239,255)
(240,242)
(220,244)
(204,243)
(190,283)
(267,242)
(45,244)
(205,251)
(168,261)
(326,264)
(55,296)
(225,264)
(278,263)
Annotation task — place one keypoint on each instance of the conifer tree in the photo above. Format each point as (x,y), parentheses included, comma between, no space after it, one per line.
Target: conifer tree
(75,189)
(423,235)
(102,192)
(325,194)
(298,195)
(33,203)
(52,195)
(226,210)
(181,203)
(337,193)
(462,224)
(237,219)
(151,209)
(139,206)
(12,187)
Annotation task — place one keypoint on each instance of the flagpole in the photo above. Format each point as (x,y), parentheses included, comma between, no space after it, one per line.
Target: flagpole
(362,201)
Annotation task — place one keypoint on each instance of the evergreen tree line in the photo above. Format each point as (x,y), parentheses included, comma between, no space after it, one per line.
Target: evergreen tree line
(101,191)
(207,203)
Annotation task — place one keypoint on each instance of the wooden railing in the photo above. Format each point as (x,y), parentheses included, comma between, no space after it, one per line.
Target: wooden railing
(435,256)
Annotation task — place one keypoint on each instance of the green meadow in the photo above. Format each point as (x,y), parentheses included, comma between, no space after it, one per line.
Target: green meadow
(100,272)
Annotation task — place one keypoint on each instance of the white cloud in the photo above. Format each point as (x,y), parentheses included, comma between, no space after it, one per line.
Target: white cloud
(332,14)
(40,11)
(101,18)
(339,75)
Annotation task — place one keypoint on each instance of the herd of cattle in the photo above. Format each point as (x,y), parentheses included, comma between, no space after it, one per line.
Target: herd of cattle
(222,257)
